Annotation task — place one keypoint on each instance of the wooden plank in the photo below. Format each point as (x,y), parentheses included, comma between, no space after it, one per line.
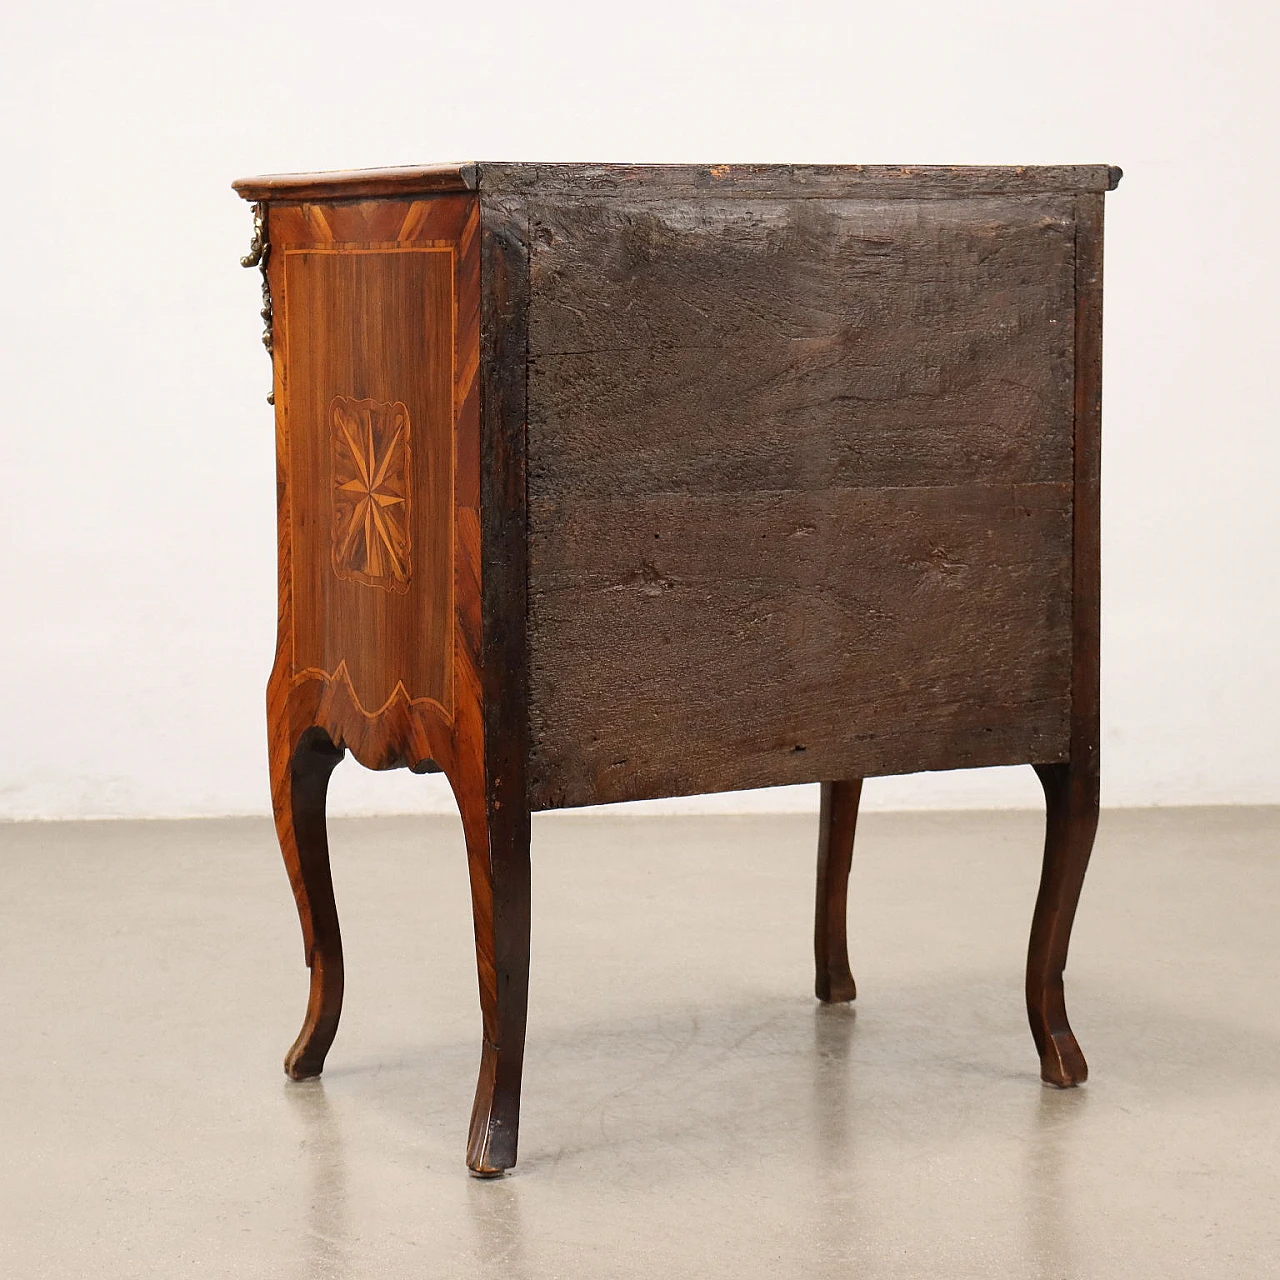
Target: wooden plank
(504,259)
(740,345)
(795,181)
(772,417)
(619,275)
(686,643)
(1087,530)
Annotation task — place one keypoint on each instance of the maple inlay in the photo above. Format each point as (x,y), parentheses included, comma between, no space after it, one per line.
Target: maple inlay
(370,451)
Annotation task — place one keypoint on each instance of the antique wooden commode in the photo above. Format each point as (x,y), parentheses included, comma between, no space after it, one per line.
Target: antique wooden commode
(607,482)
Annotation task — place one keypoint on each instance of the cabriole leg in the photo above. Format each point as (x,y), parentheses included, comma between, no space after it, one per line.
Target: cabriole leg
(299,783)
(1071,798)
(833,982)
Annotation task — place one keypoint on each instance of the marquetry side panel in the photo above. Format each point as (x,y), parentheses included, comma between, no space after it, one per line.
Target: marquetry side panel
(376,351)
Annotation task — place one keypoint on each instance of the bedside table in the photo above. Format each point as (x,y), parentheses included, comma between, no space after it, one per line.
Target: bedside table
(606,482)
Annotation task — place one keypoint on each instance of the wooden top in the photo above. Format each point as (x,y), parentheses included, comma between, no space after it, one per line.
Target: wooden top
(885,182)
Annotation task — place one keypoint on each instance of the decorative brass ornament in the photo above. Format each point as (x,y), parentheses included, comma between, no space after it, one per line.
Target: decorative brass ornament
(259,251)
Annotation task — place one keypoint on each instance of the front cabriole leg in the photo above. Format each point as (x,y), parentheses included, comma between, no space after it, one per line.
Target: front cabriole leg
(302,758)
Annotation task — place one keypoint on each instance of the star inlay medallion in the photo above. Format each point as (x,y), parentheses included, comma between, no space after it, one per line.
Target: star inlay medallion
(370,452)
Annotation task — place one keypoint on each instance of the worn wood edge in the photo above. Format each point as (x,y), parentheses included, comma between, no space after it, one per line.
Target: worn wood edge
(887,755)
(350,184)
(789,180)
(1086,570)
(504,273)
(796,181)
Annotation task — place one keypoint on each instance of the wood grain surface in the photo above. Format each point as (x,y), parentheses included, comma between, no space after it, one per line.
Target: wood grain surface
(360,325)
(792,181)
(893,182)
(800,486)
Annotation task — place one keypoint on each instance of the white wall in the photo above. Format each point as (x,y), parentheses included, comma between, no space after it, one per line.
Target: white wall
(137,490)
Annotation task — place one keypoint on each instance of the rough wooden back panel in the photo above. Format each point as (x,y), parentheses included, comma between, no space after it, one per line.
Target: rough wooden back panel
(799,489)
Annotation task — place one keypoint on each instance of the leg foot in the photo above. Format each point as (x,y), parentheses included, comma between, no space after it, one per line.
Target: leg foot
(833,982)
(1071,798)
(300,782)
(495,1118)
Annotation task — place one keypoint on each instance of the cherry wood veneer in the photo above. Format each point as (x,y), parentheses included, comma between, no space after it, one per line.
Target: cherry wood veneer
(605,482)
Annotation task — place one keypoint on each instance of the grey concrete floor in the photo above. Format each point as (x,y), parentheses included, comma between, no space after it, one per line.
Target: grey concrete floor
(689,1109)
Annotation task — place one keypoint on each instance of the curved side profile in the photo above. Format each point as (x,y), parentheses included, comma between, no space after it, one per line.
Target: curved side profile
(303,757)
(374,325)
(1071,798)
(837,821)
